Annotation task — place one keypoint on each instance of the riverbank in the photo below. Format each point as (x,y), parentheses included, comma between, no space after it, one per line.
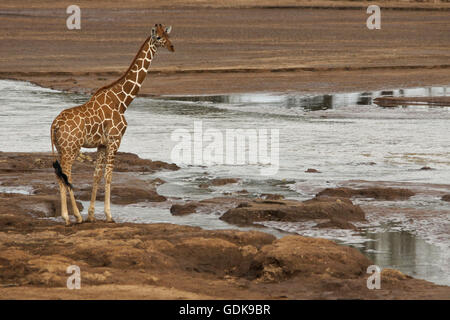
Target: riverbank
(230,46)
(168,261)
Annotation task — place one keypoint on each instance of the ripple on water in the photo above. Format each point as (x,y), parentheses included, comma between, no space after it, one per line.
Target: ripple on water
(342,135)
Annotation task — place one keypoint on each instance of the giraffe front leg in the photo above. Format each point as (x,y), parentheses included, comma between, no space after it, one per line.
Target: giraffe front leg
(99,166)
(108,177)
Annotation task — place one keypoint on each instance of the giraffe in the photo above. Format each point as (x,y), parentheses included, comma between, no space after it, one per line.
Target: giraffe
(100,123)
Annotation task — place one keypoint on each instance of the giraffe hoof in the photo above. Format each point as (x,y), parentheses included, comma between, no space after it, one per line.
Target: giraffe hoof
(90,220)
(68,224)
(110,221)
(79,222)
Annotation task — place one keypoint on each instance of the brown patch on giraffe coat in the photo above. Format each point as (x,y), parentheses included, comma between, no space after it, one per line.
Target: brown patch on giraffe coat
(141,76)
(128,86)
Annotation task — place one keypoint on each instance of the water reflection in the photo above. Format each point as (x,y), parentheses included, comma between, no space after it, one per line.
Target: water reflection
(404,251)
(310,102)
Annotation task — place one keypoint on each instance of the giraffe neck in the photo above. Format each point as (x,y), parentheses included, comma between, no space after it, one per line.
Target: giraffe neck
(127,87)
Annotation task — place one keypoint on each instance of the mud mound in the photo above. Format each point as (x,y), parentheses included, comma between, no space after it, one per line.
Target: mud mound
(296,255)
(37,205)
(183,209)
(130,161)
(121,194)
(336,211)
(373,192)
(212,205)
(223,181)
(23,162)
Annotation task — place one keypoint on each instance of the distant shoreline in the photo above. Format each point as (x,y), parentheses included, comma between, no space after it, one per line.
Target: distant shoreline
(227,49)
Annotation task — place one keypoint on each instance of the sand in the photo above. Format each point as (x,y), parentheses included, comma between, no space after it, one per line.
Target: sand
(234,48)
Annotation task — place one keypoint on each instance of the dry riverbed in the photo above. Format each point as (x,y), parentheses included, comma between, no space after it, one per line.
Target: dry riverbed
(167,261)
(232,46)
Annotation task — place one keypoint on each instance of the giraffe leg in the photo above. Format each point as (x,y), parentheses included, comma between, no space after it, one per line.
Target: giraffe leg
(62,192)
(67,169)
(76,212)
(111,153)
(99,166)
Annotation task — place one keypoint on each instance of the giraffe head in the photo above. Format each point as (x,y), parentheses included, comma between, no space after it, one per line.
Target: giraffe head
(160,36)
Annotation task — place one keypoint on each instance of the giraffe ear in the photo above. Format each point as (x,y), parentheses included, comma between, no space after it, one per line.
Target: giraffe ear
(168,29)
(153,31)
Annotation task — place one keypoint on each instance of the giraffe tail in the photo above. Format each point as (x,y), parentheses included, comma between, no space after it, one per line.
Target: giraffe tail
(61,175)
(58,170)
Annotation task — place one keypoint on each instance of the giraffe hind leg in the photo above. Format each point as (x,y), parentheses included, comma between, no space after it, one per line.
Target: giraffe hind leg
(62,192)
(66,165)
(99,167)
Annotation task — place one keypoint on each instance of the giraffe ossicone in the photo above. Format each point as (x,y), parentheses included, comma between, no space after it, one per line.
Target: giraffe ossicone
(100,123)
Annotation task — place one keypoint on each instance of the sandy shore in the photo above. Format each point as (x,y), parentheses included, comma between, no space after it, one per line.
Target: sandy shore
(230,46)
(166,261)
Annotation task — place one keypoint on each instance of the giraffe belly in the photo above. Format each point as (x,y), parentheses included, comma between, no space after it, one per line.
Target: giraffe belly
(91,145)
(93,142)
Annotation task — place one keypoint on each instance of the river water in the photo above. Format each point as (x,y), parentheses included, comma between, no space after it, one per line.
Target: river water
(351,141)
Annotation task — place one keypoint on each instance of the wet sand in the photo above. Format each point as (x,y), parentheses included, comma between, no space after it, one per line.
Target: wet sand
(166,261)
(225,48)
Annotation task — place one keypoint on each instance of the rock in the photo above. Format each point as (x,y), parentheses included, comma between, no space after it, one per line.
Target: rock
(291,210)
(446,198)
(426,168)
(336,223)
(312,170)
(124,194)
(302,256)
(157,181)
(390,276)
(182,209)
(373,192)
(45,206)
(223,181)
(128,195)
(126,162)
(269,196)
(212,205)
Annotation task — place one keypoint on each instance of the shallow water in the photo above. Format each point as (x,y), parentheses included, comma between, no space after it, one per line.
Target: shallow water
(344,136)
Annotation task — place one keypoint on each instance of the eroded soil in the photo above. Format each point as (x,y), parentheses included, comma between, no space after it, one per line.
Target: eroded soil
(166,261)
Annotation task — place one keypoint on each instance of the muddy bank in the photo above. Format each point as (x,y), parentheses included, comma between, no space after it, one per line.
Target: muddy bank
(301,49)
(379,193)
(419,101)
(331,212)
(34,172)
(172,261)
(179,262)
